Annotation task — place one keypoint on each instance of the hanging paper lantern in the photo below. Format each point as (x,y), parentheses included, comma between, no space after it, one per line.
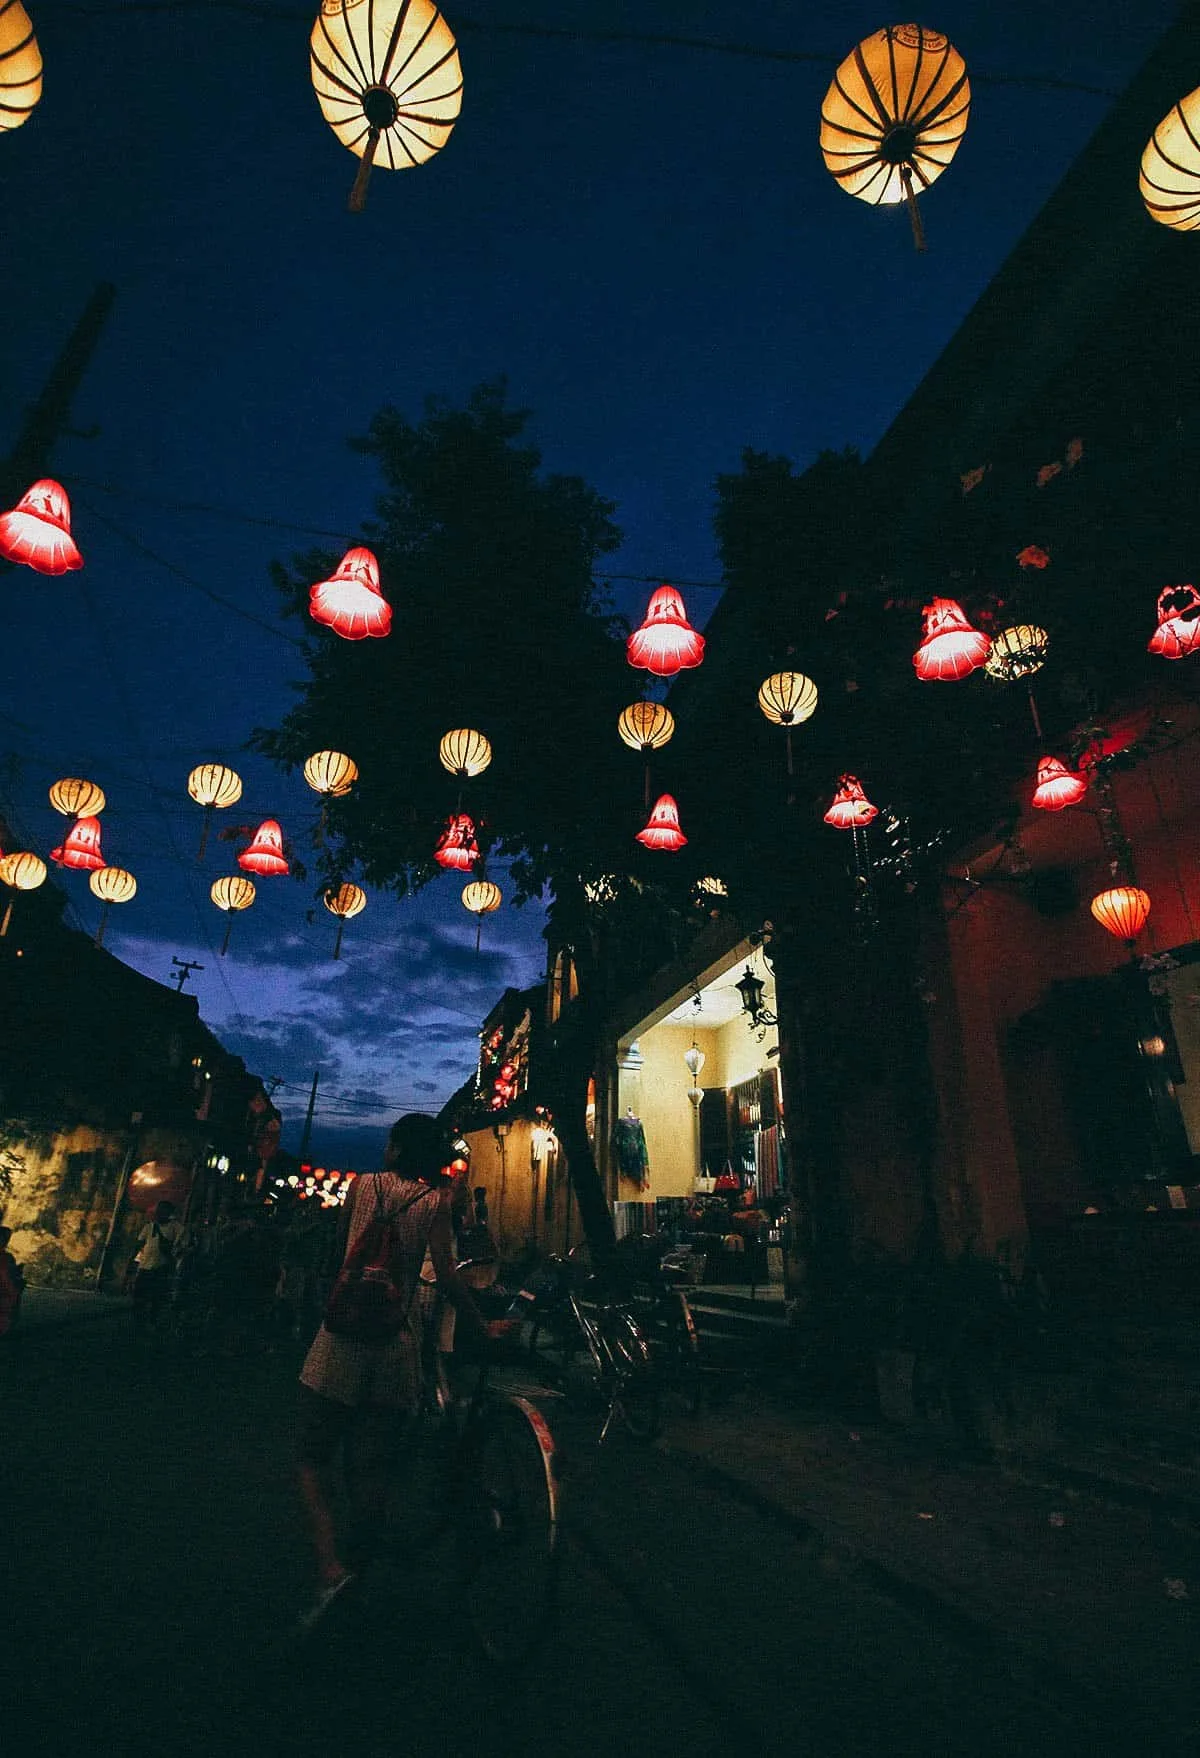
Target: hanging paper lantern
(695,1098)
(464,752)
(1122,910)
(265,854)
(481,897)
(344,901)
(231,894)
(22,871)
(645,726)
(457,849)
(77,799)
(38,529)
(694,1060)
(951,648)
(20,66)
(1017,653)
(1057,786)
(351,603)
(214,786)
(662,831)
(787,698)
(111,885)
(80,847)
(894,116)
(331,772)
(666,643)
(388,81)
(1178,628)
(850,809)
(1170,173)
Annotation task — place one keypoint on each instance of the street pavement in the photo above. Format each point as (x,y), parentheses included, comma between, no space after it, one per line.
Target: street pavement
(156,1566)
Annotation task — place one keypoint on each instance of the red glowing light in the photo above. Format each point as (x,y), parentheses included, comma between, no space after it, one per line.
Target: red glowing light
(1033,556)
(666,642)
(265,854)
(351,603)
(1122,910)
(1178,630)
(662,830)
(951,648)
(38,530)
(1057,786)
(850,809)
(457,848)
(81,847)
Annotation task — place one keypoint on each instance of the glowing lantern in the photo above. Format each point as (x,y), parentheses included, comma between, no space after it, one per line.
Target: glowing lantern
(481,897)
(1170,173)
(666,643)
(464,752)
(894,116)
(787,698)
(1017,653)
(20,871)
(38,529)
(694,1060)
(331,773)
(351,603)
(1057,786)
(77,799)
(951,648)
(265,854)
(1178,628)
(646,726)
(111,885)
(662,831)
(232,894)
(214,787)
(80,847)
(1122,910)
(343,902)
(850,809)
(457,849)
(20,66)
(388,81)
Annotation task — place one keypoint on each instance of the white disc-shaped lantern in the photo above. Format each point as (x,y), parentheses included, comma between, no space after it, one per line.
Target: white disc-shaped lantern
(465,752)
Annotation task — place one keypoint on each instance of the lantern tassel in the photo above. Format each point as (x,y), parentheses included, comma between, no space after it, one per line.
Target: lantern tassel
(1033,709)
(478,930)
(7,918)
(103,924)
(228,932)
(646,783)
(337,945)
(791,771)
(358,195)
(914,212)
(207,820)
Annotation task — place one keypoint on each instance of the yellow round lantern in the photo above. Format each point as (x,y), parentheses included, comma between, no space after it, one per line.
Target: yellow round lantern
(645,726)
(481,897)
(231,894)
(894,116)
(22,871)
(20,66)
(787,698)
(76,798)
(465,752)
(1170,173)
(212,784)
(388,80)
(344,901)
(331,772)
(1017,653)
(111,885)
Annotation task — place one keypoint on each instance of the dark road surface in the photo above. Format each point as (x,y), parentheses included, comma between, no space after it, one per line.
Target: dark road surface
(155,1567)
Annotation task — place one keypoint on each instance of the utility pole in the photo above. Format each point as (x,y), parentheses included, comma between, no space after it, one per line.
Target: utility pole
(184,967)
(48,418)
(308,1121)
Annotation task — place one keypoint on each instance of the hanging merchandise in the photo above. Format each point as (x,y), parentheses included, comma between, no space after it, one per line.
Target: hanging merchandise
(1170,174)
(80,847)
(895,116)
(662,831)
(457,849)
(37,531)
(76,798)
(1123,910)
(666,643)
(788,698)
(951,648)
(850,808)
(629,1149)
(20,66)
(351,602)
(231,894)
(1056,786)
(464,752)
(344,901)
(388,80)
(481,897)
(265,854)
(214,787)
(111,885)
(1178,629)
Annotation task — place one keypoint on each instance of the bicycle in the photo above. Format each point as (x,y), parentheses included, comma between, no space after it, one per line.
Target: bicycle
(582,1336)
(660,1303)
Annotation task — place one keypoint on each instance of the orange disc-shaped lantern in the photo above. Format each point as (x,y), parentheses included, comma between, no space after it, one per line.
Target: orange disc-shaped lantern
(457,849)
(20,65)
(1178,630)
(1057,786)
(22,871)
(76,798)
(1123,910)
(951,648)
(331,772)
(344,901)
(464,752)
(1170,173)
(663,831)
(38,529)
(80,847)
(351,603)
(646,726)
(666,643)
(265,854)
(894,116)
(231,894)
(850,809)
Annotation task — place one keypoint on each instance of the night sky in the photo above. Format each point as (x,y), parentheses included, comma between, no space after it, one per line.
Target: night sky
(641,238)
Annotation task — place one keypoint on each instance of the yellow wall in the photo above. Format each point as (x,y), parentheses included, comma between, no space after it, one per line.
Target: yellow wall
(518,1212)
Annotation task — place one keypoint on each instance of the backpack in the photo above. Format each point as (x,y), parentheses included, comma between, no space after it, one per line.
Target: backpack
(366,1301)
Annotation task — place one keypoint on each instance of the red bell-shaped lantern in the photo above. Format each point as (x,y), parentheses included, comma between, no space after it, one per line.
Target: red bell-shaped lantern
(1057,786)
(1178,630)
(850,809)
(351,603)
(666,642)
(951,648)
(265,854)
(81,847)
(662,831)
(38,530)
(1123,910)
(457,849)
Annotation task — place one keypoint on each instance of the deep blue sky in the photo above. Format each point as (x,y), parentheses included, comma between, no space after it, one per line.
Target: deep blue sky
(642,239)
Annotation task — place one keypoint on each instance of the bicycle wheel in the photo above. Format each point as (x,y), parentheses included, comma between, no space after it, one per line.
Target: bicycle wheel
(550,1347)
(637,1390)
(506,1529)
